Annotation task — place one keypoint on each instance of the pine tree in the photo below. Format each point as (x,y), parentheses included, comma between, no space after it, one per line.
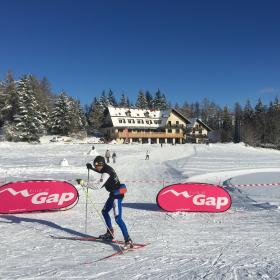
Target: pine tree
(248,111)
(195,110)
(104,100)
(186,109)
(210,113)
(123,101)
(141,102)
(149,99)
(61,117)
(226,129)
(238,115)
(249,132)
(77,117)
(276,104)
(129,104)
(111,98)
(27,124)
(272,125)
(260,121)
(276,118)
(46,90)
(83,117)
(8,99)
(96,115)
(160,102)
(43,98)
(2,103)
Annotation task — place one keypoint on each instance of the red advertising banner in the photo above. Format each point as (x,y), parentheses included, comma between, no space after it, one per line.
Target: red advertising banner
(30,196)
(194,197)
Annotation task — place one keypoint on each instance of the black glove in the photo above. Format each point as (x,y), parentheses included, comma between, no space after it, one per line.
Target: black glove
(89,166)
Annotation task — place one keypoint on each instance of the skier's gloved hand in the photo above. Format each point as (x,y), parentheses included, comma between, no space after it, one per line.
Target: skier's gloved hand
(89,166)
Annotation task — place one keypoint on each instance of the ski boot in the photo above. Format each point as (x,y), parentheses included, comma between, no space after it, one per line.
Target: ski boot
(128,244)
(109,235)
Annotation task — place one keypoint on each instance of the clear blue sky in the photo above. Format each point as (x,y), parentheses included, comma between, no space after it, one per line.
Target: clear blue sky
(224,50)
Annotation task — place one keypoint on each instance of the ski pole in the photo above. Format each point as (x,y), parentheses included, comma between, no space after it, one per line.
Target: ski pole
(86,204)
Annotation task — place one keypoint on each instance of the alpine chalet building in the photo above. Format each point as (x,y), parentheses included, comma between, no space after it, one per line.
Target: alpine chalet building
(127,125)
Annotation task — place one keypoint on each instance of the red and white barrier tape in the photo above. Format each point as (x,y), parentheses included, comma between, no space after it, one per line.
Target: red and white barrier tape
(228,185)
(255,185)
(148,181)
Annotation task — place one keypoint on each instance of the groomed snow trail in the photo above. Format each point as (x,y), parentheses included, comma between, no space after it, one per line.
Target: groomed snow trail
(242,243)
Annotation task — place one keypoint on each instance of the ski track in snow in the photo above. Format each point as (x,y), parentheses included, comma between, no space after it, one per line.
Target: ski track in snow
(242,243)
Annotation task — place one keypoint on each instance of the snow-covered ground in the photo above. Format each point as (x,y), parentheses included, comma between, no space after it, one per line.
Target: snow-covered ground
(242,243)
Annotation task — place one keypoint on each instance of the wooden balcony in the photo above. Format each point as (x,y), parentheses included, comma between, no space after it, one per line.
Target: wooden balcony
(148,135)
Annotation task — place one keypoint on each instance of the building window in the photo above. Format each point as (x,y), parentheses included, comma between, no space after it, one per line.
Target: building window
(177,130)
(120,120)
(169,130)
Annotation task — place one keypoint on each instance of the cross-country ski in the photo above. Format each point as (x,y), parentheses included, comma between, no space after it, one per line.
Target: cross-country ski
(121,252)
(97,239)
(122,249)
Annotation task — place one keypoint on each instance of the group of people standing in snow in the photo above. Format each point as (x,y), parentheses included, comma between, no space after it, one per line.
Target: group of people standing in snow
(108,156)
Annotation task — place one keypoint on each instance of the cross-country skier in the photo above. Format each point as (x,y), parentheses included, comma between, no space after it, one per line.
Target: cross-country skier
(147,155)
(110,181)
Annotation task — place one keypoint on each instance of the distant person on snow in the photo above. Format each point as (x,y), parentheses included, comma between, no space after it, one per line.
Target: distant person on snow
(147,155)
(110,181)
(114,155)
(107,156)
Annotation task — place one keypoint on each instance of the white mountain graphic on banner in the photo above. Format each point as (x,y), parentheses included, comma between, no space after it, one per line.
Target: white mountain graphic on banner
(184,193)
(24,193)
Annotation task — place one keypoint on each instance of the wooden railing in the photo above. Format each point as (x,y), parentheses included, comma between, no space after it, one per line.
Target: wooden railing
(148,135)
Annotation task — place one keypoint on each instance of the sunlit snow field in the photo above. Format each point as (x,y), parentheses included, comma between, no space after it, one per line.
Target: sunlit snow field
(242,243)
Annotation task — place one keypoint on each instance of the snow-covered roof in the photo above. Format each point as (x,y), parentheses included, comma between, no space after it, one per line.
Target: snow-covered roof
(193,121)
(150,118)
